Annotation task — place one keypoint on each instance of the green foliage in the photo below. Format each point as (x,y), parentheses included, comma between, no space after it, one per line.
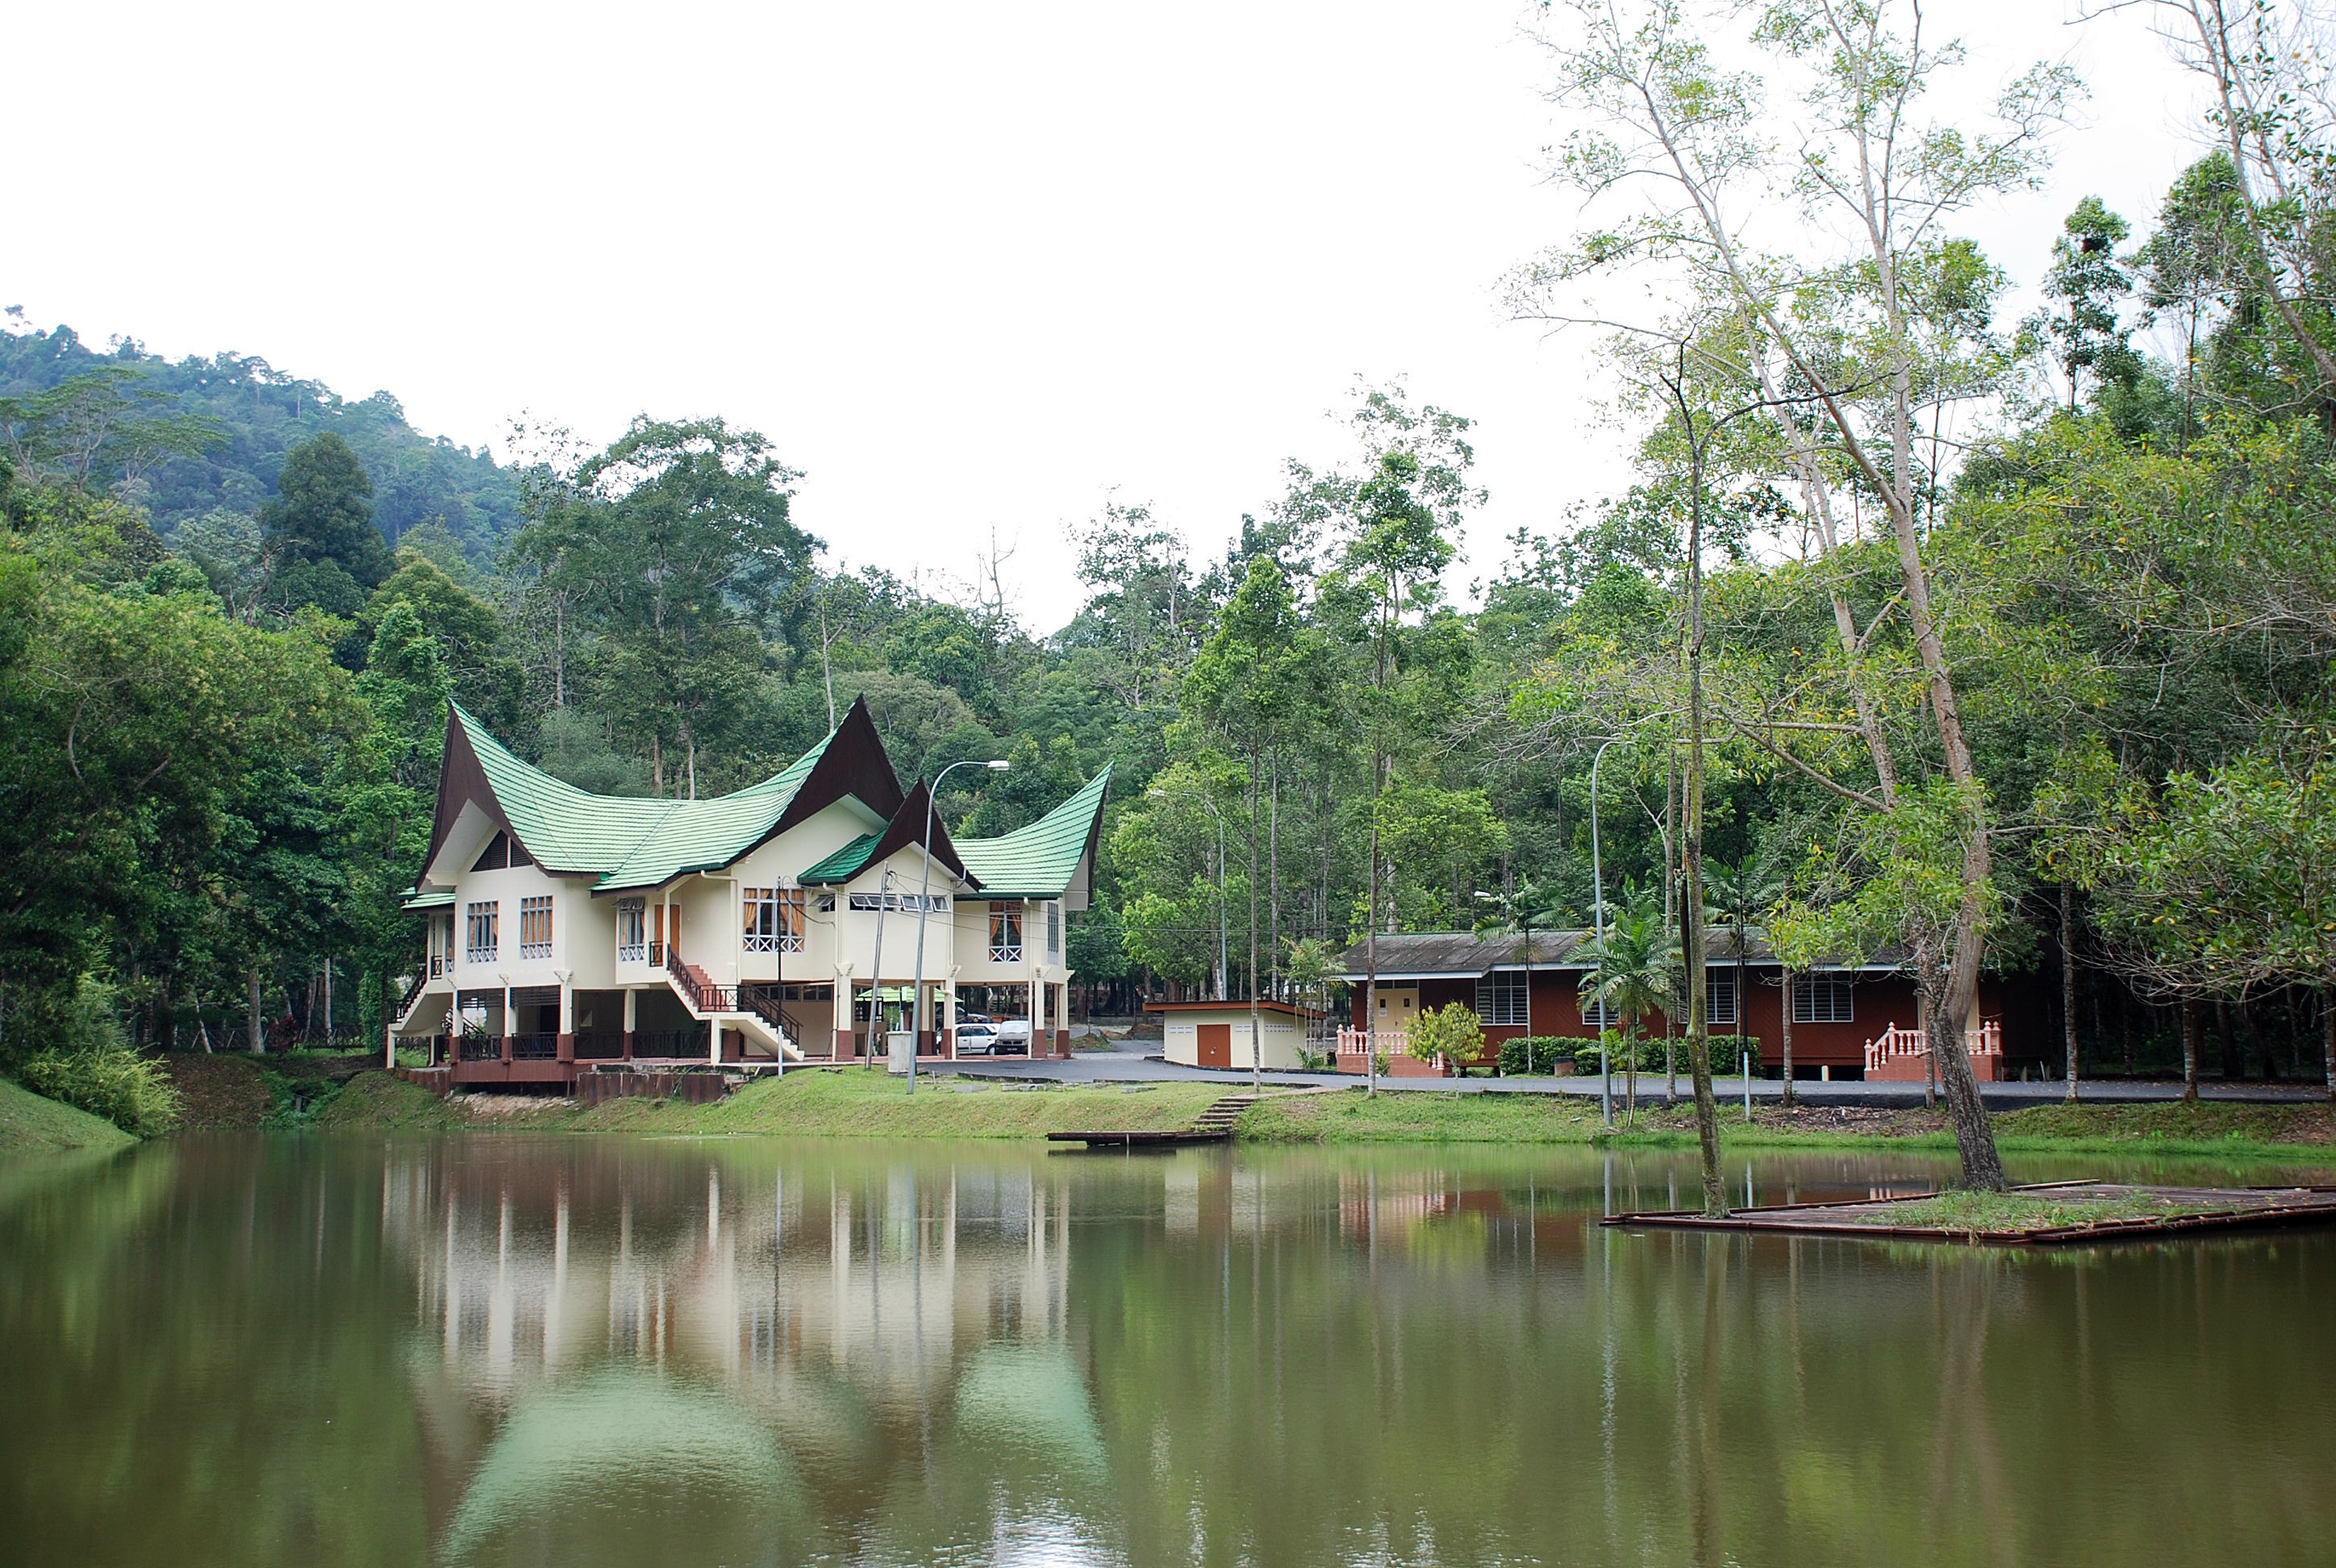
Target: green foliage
(1448,1034)
(1524,1055)
(69,1047)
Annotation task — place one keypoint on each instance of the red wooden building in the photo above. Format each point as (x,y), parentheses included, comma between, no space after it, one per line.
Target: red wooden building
(1849,1021)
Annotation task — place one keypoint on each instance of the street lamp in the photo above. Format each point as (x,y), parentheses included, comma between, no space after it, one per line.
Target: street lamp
(924,889)
(1598,905)
(1209,806)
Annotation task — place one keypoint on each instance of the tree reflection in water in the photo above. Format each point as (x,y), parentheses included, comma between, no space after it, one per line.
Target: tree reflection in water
(596,1352)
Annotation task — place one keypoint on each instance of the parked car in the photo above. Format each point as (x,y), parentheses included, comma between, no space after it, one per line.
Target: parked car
(1012,1039)
(975,1038)
(973,1017)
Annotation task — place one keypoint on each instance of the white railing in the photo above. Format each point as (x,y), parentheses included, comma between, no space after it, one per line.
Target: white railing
(1393,1042)
(632,952)
(1894,1044)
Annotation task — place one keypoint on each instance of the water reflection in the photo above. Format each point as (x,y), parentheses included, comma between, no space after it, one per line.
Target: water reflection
(554,1350)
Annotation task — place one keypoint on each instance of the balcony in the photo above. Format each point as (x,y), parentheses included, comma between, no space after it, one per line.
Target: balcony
(632,952)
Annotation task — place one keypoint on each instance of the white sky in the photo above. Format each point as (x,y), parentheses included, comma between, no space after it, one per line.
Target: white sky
(971,266)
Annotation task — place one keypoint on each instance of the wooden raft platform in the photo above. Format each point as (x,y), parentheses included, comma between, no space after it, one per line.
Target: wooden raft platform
(2191,1210)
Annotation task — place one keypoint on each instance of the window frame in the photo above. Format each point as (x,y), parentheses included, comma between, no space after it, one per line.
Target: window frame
(534,938)
(1006,935)
(481,916)
(772,920)
(1712,975)
(632,930)
(1839,988)
(1504,1000)
(1585,1005)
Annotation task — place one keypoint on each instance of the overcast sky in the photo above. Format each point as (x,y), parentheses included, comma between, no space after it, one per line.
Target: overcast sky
(971,266)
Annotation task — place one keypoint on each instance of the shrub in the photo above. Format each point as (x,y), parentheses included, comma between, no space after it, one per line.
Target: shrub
(127,1089)
(1452,1032)
(74,1050)
(1530,1054)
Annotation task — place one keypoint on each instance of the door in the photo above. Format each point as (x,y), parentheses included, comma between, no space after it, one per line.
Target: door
(1216,1044)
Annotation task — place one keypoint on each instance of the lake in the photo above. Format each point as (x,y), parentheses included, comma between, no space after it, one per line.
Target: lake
(297,1350)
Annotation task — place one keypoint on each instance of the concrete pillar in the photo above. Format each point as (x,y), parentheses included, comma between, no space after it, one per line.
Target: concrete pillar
(843,1020)
(508,1021)
(713,1041)
(565,1047)
(629,1023)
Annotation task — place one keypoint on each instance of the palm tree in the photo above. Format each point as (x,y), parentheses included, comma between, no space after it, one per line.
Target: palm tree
(1741,896)
(1634,971)
(1520,914)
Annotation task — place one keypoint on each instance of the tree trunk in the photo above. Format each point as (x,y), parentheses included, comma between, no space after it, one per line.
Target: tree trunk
(258,1041)
(2189,1011)
(1785,1017)
(1691,944)
(1974,1138)
(2328,1040)
(2068,987)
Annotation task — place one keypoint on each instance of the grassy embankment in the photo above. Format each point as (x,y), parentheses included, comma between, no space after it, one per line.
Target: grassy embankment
(32,1124)
(829,1104)
(820,1104)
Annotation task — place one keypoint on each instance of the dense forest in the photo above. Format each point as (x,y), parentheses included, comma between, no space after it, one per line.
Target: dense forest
(2003,645)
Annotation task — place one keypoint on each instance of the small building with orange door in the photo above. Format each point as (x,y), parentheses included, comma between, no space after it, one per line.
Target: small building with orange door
(1217,1034)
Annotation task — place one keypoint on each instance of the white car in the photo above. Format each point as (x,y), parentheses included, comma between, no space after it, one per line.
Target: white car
(1012,1037)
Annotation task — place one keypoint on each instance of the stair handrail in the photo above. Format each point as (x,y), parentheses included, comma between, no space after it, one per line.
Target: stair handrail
(406,1003)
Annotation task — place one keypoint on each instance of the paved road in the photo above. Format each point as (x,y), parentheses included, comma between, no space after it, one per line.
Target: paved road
(1133,1066)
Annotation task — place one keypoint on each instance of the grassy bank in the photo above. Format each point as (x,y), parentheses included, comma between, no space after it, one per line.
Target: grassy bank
(854,1105)
(804,1105)
(30,1124)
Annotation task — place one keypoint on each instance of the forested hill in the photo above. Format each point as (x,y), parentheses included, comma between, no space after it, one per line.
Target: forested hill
(255,413)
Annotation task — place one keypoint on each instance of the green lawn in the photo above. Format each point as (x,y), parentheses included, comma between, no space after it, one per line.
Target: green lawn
(2005,1213)
(30,1124)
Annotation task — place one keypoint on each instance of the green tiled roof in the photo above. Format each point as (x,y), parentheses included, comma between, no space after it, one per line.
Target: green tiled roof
(1040,860)
(414,900)
(843,866)
(631,842)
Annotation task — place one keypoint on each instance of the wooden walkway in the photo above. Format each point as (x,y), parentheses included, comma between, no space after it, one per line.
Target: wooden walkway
(2189,1210)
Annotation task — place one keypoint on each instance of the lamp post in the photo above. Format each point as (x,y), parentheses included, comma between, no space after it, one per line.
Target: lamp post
(1209,806)
(1598,906)
(924,890)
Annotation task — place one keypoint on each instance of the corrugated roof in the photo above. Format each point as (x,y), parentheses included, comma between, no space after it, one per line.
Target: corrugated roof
(1425,955)
(1041,860)
(414,900)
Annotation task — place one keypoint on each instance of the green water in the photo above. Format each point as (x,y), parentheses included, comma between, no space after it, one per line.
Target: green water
(300,1351)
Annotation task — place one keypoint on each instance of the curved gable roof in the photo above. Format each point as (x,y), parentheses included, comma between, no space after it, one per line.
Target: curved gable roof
(631,842)
(1041,860)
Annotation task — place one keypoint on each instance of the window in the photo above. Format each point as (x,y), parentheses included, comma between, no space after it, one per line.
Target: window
(1004,933)
(1821,999)
(1054,930)
(1719,996)
(932,903)
(632,932)
(1598,1015)
(826,903)
(535,928)
(1501,999)
(482,922)
(774,919)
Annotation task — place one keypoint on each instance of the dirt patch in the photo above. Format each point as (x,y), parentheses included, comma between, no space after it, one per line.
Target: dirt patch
(227,1092)
(219,1094)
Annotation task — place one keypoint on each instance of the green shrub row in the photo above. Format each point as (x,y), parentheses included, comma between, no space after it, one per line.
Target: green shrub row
(1539,1054)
